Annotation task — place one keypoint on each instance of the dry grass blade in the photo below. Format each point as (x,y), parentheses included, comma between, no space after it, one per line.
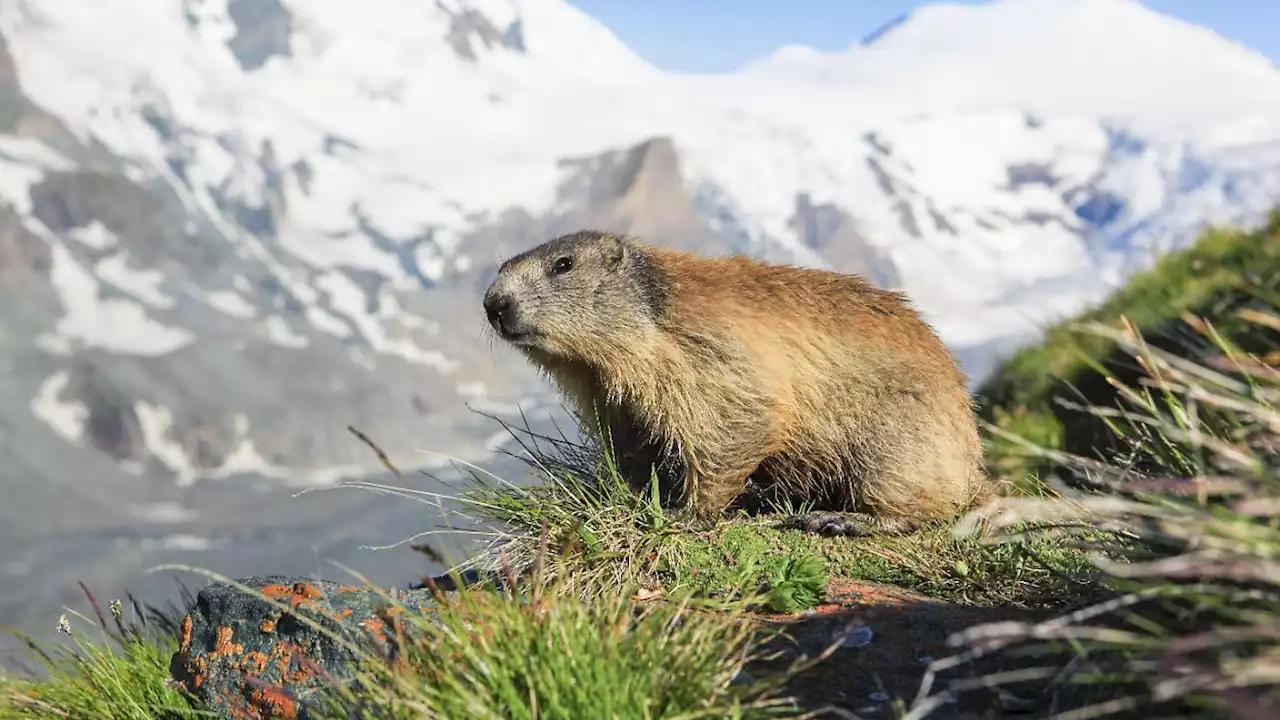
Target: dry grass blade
(1200,525)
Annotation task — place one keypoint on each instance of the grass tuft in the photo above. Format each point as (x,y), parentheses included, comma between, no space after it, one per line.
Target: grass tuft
(118,670)
(1187,526)
(539,650)
(603,535)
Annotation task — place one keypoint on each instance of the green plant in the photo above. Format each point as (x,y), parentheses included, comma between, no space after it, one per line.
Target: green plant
(797,585)
(538,650)
(1192,539)
(119,671)
(604,535)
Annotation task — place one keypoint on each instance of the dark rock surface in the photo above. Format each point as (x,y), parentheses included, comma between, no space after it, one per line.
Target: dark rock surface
(244,657)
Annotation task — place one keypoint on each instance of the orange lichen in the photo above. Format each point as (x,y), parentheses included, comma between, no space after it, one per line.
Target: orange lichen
(299,593)
(388,616)
(303,671)
(276,701)
(375,626)
(185,646)
(196,668)
(284,653)
(254,663)
(268,625)
(224,645)
(239,708)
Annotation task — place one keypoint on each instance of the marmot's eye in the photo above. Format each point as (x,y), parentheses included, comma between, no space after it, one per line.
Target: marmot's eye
(562,265)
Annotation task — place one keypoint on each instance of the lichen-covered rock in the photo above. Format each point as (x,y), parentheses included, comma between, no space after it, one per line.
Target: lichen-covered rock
(248,659)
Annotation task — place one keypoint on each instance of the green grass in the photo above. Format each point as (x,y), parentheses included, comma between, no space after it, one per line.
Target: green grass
(483,653)
(1223,271)
(1192,540)
(108,670)
(547,653)
(606,535)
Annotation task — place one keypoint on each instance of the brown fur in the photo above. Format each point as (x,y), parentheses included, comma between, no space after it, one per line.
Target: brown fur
(817,386)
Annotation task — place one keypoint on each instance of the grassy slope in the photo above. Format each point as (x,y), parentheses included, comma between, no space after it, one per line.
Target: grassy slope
(608,536)
(1223,271)
(1196,632)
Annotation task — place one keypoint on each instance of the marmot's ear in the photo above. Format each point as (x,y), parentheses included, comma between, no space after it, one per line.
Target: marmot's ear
(613,249)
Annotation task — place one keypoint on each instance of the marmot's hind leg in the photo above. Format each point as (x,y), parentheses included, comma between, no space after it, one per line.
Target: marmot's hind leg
(849,524)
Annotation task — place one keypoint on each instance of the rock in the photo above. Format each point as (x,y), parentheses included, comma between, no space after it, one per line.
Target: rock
(245,658)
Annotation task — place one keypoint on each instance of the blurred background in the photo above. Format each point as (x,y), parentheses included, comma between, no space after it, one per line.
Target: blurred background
(230,229)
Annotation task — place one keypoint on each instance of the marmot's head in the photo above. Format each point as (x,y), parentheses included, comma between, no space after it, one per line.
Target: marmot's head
(576,296)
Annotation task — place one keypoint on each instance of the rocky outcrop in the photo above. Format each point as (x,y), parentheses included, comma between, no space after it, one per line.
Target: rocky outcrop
(469,24)
(150,229)
(245,657)
(833,233)
(111,423)
(264,29)
(639,190)
(25,260)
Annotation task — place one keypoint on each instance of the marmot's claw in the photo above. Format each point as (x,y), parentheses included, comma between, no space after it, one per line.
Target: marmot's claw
(827,524)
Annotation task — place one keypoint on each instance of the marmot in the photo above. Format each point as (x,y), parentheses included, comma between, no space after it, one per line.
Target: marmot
(816,386)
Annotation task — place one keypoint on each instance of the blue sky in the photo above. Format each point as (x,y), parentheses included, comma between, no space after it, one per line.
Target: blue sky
(721,35)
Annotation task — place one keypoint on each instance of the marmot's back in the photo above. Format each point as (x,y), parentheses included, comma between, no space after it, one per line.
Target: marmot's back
(839,319)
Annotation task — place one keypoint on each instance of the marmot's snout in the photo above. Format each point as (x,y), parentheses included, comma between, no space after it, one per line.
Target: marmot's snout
(500,308)
(505,316)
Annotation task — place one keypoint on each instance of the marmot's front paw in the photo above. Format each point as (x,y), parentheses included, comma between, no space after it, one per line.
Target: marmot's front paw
(828,524)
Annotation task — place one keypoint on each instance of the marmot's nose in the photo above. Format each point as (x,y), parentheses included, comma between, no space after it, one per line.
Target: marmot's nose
(498,308)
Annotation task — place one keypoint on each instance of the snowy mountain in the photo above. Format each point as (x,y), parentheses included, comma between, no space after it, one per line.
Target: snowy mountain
(231,228)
